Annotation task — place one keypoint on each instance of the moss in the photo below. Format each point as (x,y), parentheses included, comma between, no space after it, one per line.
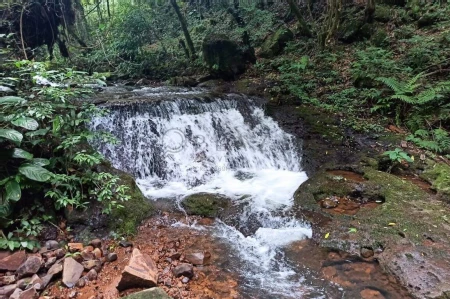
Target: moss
(152,293)
(274,44)
(438,174)
(126,220)
(382,14)
(205,204)
(380,38)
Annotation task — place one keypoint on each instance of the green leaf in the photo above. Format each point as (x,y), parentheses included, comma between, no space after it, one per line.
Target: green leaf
(40,132)
(11,100)
(26,122)
(40,162)
(21,154)
(35,172)
(13,191)
(12,135)
(56,124)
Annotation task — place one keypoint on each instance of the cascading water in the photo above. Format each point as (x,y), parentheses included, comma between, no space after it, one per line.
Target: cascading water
(224,144)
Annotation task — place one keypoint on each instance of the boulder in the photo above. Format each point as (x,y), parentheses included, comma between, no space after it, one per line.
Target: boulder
(275,43)
(184,269)
(223,56)
(13,261)
(30,266)
(141,272)
(205,204)
(72,272)
(153,293)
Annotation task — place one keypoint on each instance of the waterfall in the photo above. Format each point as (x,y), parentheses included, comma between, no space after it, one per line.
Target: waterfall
(181,142)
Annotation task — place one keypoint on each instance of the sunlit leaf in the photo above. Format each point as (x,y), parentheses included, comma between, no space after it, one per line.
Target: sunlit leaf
(35,173)
(26,122)
(12,135)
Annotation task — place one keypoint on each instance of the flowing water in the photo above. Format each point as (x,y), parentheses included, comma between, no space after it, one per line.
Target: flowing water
(181,142)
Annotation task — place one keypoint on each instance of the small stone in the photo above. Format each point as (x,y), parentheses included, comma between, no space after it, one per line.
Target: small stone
(183,269)
(97,253)
(141,272)
(96,243)
(50,261)
(87,256)
(175,256)
(366,252)
(75,247)
(125,244)
(73,294)
(328,203)
(30,266)
(91,275)
(197,258)
(8,279)
(60,253)
(72,272)
(6,291)
(81,283)
(13,261)
(168,282)
(185,280)
(51,245)
(15,294)
(111,257)
(88,265)
(29,294)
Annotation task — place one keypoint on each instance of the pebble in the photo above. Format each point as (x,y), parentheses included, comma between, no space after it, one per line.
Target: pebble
(111,257)
(185,280)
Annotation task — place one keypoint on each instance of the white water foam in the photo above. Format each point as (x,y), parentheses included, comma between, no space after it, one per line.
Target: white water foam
(229,147)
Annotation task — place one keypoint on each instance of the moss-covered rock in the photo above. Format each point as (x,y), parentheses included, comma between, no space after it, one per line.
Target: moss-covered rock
(353,26)
(224,57)
(153,293)
(205,204)
(438,175)
(275,43)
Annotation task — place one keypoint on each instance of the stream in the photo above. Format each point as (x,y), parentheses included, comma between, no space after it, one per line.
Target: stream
(177,142)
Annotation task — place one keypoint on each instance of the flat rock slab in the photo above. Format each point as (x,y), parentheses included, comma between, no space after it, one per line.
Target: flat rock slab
(153,293)
(13,261)
(72,272)
(141,272)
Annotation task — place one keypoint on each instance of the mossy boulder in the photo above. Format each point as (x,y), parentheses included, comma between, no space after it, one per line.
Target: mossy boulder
(275,43)
(353,26)
(205,204)
(153,293)
(224,57)
(438,175)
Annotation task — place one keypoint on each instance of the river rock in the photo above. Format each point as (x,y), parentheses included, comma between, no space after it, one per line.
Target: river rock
(111,257)
(51,245)
(153,293)
(30,266)
(205,204)
(72,272)
(141,272)
(183,269)
(197,258)
(12,262)
(6,291)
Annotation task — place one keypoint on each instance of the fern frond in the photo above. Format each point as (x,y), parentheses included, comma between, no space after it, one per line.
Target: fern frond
(426,96)
(404,98)
(393,84)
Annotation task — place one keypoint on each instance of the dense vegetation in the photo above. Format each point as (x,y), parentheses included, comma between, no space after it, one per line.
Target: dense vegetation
(373,65)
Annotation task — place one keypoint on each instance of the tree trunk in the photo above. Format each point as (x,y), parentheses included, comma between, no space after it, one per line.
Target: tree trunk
(303,26)
(184,27)
(370,11)
(107,7)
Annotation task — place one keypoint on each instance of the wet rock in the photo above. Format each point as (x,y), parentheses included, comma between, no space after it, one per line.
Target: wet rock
(91,275)
(88,265)
(197,258)
(205,204)
(153,293)
(111,257)
(50,261)
(125,244)
(328,203)
(75,247)
(184,269)
(7,279)
(30,266)
(29,294)
(366,252)
(96,243)
(51,245)
(140,272)
(371,294)
(12,262)
(72,272)
(275,43)
(6,291)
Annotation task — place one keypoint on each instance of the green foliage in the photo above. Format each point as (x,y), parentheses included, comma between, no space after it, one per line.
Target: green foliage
(437,140)
(398,155)
(46,152)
